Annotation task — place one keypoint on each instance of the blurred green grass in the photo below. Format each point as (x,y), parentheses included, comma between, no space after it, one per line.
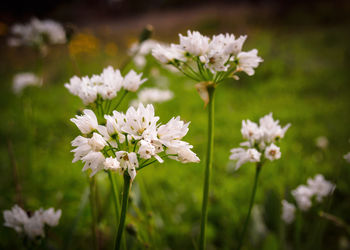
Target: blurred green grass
(303,81)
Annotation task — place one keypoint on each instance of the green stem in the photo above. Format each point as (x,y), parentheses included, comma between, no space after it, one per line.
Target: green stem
(92,182)
(258,169)
(121,99)
(297,232)
(115,194)
(126,189)
(208,166)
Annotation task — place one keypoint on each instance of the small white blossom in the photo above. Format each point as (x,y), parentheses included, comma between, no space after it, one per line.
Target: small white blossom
(168,54)
(272,152)
(288,212)
(22,80)
(247,61)
(242,156)
(320,187)
(86,123)
(132,81)
(129,162)
(170,133)
(194,43)
(251,131)
(303,194)
(15,218)
(94,161)
(112,164)
(183,153)
(270,129)
(31,226)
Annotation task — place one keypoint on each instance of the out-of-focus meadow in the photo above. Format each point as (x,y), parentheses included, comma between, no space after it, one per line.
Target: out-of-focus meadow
(303,80)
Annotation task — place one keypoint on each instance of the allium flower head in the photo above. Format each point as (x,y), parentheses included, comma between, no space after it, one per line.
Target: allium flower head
(31,226)
(260,141)
(106,85)
(203,59)
(127,141)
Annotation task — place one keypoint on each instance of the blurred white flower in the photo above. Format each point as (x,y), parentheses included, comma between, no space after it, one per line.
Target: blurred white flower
(153,95)
(320,187)
(271,130)
(15,218)
(347,157)
(112,164)
(22,80)
(106,85)
(194,43)
(167,54)
(303,194)
(132,81)
(288,212)
(242,156)
(33,226)
(272,152)
(37,32)
(321,142)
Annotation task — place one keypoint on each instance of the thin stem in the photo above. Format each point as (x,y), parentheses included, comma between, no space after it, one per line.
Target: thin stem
(115,194)
(297,232)
(210,146)
(92,182)
(121,99)
(123,212)
(258,169)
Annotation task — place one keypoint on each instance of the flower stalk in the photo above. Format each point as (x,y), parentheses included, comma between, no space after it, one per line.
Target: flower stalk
(92,183)
(258,169)
(208,166)
(121,226)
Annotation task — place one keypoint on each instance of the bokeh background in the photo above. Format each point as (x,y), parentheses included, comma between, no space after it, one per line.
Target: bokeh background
(304,80)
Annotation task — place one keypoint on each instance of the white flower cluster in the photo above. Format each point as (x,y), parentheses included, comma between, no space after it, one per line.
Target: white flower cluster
(260,141)
(22,80)
(139,51)
(152,95)
(317,188)
(33,226)
(106,85)
(37,32)
(218,54)
(129,140)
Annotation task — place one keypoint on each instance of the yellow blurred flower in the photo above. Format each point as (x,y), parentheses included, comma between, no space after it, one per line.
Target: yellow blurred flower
(83,43)
(111,49)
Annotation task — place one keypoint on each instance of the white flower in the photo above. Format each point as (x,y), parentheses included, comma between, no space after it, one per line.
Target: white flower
(107,84)
(114,126)
(22,80)
(146,149)
(320,187)
(251,131)
(272,152)
(132,81)
(167,54)
(234,46)
(247,61)
(194,43)
(96,142)
(242,156)
(86,123)
(303,194)
(270,129)
(153,95)
(288,212)
(141,123)
(128,161)
(37,32)
(183,153)
(94,161)
(50,217)
(15,218)
(34,227)
(112,164)
(347,157)
(321,142)
(170,133)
